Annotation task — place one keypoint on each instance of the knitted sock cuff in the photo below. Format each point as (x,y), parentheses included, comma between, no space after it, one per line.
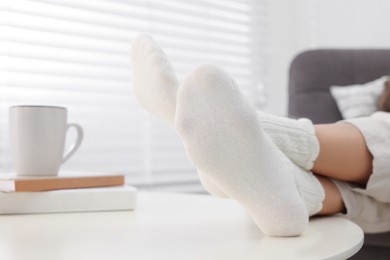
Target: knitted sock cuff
(311,190)
(295,138)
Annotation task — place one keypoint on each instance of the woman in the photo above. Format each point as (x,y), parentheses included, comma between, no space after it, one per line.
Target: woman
(281,170)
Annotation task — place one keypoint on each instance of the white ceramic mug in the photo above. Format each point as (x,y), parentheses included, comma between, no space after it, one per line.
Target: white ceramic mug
(38,136)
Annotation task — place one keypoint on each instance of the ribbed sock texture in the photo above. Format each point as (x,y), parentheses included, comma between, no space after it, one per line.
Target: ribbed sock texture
(311,190)
(295,138)
(224,138)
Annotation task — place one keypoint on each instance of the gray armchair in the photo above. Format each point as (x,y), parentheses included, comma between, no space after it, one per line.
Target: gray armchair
(311,74)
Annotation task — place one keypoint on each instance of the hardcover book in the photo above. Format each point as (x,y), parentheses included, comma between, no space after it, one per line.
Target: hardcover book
(69,200)
(65,180)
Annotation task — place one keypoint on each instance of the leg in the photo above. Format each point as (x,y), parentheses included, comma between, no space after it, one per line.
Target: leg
(155,86)
(344,156)
(343,153)
(335,151)
(333,202)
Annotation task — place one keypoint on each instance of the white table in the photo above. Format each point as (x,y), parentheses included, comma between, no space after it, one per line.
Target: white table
(169,226)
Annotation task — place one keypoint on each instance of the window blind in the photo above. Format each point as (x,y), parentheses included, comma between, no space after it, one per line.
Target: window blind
(76,53)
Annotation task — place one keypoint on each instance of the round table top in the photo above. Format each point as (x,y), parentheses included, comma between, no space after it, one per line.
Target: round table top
(170,226)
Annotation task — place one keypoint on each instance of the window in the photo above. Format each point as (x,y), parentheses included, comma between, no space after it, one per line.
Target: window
(75,53)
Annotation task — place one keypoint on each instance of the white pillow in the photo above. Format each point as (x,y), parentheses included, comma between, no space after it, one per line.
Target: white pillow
(358,100)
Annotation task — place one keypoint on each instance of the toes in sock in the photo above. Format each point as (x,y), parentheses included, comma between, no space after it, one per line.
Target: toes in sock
(224,138)
(154,81)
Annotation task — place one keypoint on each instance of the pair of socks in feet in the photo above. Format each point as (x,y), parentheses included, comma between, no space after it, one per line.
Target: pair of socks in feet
(260,160)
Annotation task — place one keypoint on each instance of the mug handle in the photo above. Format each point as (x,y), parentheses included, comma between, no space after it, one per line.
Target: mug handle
(75,146)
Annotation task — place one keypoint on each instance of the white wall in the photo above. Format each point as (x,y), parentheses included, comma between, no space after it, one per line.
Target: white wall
(282,45)
(353,23)
(303,24)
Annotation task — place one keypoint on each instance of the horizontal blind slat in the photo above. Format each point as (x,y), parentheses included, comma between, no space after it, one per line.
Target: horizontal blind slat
(53,82)
(56,39)
(46,23)
(124,8)
(63,68)
(33,51)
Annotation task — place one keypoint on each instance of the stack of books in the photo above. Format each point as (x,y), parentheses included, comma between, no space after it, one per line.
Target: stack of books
(67,192)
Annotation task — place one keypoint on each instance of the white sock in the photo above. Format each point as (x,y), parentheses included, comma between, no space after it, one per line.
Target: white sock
(224,138)
(155,87)
(295,138)
(154,81)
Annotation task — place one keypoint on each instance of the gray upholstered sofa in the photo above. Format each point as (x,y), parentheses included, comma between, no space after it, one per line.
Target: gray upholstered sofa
(311,74)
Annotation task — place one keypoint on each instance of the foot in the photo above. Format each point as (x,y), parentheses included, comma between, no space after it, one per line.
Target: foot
(223,137)
(155,86)
(154,81)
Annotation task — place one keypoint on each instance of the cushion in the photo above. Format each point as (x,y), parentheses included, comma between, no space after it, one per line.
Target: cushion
(384,98)
(358,100)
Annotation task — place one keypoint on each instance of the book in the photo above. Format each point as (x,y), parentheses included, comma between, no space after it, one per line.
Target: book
(69,200)
(65,180)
